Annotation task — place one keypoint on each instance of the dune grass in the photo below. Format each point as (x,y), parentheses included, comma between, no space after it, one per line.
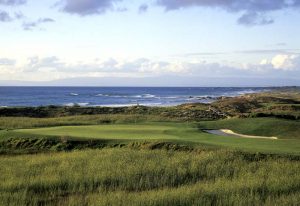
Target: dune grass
(30,122)
(148,177)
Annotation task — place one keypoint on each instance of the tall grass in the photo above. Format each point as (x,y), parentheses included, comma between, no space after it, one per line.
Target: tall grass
(144,177)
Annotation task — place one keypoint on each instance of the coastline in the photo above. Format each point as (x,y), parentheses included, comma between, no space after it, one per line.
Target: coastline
(117,96)
(273,103)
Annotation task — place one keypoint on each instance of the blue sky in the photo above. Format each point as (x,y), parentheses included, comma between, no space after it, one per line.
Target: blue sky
(62,39)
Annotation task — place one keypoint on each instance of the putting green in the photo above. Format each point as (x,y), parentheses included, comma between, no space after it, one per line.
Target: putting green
(137,131)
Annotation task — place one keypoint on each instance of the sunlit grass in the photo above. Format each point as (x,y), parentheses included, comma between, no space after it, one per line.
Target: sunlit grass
(186,133)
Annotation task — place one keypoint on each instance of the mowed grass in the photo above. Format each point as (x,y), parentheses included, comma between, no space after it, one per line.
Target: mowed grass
(182,132)
(148,177)
(114,131)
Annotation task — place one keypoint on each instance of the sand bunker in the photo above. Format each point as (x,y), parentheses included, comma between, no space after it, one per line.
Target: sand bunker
(228,132)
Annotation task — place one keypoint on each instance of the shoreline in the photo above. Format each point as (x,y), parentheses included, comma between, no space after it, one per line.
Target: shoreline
(121,97)
(275,103)
(191,100)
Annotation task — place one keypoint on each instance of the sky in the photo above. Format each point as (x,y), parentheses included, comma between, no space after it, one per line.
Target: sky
(160,42)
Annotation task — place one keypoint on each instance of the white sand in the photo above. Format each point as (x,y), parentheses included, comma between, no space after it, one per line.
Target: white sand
(228,132)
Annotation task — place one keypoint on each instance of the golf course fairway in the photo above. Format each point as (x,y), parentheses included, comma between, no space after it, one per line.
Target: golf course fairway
(185,133)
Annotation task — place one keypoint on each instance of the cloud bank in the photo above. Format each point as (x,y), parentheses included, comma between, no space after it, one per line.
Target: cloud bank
(49,68)
(254,12)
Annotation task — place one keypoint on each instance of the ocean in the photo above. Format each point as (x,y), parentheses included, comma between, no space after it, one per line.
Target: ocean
(116,96)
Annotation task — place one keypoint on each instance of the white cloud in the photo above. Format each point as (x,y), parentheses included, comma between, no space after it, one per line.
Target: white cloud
(286,62)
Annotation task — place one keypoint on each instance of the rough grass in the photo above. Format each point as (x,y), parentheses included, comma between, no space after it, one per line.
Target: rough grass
(28,122)
(148,177)
(182,112)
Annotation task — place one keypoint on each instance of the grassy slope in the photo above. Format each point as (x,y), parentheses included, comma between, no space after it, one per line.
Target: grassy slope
(144,177)
(186,133)
(284,129)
